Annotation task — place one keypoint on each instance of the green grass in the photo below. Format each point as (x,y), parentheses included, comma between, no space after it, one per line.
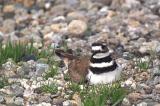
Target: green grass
(14,51)
(53,70)
(142,65)
(17,51)
(74,87)
(52,88)
(3,82)
(100,95)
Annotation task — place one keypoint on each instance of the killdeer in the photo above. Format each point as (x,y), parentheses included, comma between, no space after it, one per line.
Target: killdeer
(97,68)
(102,68)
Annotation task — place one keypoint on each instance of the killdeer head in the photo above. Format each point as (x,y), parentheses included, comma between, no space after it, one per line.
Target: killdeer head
(97,68)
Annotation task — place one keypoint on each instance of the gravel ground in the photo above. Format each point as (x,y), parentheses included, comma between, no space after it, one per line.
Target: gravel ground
(129,27)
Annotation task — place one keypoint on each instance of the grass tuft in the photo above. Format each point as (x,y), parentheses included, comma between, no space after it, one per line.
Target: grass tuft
(51,88)
(51,73)
(14,51)
(53,70)
(3,82)
(142,65)
(99,95)
(17,50)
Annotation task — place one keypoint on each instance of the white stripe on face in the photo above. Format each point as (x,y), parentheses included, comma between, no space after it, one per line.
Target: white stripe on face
(101,55)
(96,48)
(101,65)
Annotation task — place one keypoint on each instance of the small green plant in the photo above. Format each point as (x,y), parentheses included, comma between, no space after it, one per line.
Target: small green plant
(66,77)
(105,95)
(14,51)
(53,70)
(142,65)
(50,88)
(3,82)
(99,95)
(75,87)
(17,50)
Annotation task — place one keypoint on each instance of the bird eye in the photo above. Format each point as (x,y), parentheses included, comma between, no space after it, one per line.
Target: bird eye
(103,46)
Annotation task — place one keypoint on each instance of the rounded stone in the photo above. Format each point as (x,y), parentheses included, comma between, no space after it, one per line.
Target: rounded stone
(1,99)
(67,103)
(8,26)
(76,16)
(157,88)
(133,97)
(77,28)
(8,8)
(126,102)
(19,101)
(142,104)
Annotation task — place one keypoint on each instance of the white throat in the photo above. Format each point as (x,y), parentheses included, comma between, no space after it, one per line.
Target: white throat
(96,48)
(101,55)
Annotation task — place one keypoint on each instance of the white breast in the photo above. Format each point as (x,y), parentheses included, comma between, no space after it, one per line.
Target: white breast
(104,78)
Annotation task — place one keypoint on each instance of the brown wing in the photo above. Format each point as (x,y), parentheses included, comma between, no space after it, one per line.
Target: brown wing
(78,69)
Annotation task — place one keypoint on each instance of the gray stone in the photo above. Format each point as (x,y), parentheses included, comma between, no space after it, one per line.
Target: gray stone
(142,104)
(156,71)
(72,2)
(19,101)
(158,49)
(128,55)
(156,80)
(45,98)
(1,99)
(41,68)
(126,102)
(1,36)
(8,25)
(67,103)
(18,90)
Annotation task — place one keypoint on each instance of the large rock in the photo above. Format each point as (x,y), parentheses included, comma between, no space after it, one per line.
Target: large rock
(77,27)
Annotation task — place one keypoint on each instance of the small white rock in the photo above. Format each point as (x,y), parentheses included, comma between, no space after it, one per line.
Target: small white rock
(77,27)
(126,102)
(19,101)
(66,103)
(142,104)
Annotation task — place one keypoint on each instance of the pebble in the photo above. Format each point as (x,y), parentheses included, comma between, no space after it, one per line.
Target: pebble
(157,88)
(142,104)
(129,83)
(19,101)
(72,2)
(155,72)
(1,99)
(58,101)
(8,8)
(59,28)
(18,90)
(77,27)
(157,105)
(9,99)
(45,98)
(126,102)
(8,25)
(67,103)
(77,16)
(44,104)
(41,68)
(158,49)
(133,97)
